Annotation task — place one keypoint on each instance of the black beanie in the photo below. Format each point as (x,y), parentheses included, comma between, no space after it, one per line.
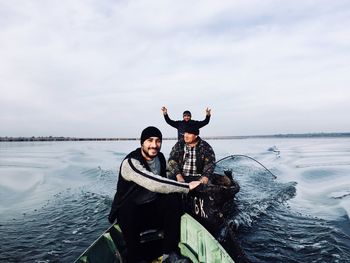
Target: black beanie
(193,129)
(187,112)
(150,132)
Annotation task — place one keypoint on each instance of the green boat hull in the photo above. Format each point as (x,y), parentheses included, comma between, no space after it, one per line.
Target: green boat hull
(199,245)
(196,243)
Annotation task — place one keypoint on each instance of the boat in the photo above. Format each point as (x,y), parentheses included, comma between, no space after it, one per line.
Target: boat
(205,236)
(196,244)
(200,227)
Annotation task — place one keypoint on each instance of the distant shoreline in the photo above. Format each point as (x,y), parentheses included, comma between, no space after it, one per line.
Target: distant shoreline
(53,138)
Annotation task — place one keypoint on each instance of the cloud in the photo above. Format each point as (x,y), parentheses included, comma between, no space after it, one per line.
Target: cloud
(104,68)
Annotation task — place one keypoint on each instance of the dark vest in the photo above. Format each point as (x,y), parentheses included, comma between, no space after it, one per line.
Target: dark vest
(130,193)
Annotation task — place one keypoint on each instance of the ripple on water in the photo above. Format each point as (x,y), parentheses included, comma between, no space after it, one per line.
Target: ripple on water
(55,230)
(269,230)
(294,238)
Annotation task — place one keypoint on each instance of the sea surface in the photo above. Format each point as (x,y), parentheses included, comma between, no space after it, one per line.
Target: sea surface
(55,197)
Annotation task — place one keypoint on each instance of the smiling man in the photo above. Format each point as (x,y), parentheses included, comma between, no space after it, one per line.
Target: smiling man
(144,196)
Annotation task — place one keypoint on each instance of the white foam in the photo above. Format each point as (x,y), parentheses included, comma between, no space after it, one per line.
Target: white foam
(320,166)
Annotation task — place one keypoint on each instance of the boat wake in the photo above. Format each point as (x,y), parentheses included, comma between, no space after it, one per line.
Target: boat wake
(251,205)
(262,219)
(259,189)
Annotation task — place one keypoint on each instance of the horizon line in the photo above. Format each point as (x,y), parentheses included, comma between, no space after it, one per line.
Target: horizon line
(222,137)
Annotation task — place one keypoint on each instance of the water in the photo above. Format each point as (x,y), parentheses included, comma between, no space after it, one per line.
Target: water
(55,197)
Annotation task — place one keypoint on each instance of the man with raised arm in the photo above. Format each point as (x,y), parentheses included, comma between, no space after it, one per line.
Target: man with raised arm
(187,120)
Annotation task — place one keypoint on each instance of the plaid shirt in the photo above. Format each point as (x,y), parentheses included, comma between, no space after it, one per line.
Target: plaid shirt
(189,167)
(203,160)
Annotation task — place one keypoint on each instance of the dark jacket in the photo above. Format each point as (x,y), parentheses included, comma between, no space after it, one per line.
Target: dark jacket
(138,185)
(205,158)
(181,125)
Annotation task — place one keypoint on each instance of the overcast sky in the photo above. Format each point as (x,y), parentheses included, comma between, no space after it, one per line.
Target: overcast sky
(103,68)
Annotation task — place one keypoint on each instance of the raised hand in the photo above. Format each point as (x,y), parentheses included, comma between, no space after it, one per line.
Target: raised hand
(164,110)
(208,111)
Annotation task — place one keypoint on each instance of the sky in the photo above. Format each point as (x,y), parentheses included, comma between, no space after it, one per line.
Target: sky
(103,68)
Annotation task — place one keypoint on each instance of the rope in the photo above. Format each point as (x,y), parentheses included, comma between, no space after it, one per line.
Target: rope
(246,156)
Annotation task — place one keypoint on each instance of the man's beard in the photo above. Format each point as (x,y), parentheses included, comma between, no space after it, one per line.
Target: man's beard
(148,149)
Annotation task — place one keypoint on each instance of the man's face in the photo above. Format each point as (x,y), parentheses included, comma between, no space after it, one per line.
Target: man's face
(151,147)
(187,117)
(189,138)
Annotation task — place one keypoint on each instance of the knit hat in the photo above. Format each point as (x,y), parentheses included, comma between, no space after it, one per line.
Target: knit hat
(150,132)
(193,129)
(187,112)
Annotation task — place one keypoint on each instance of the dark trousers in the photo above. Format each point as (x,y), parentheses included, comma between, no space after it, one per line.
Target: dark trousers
(164,212)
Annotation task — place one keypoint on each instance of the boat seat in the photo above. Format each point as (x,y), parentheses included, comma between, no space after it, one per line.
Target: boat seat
(150,241)
(151,235)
